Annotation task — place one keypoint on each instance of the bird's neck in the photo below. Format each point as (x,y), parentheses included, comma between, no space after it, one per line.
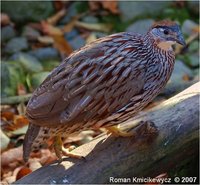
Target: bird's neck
(157,43)
(160,50)
(166,46)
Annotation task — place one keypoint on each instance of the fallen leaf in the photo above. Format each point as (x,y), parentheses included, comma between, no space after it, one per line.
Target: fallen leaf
(55,18)
(50,29)
(62,45)
(68,27)
(59,5)
(112,6)
(17,122)
(19,131)
(9,180)
(92,37)
(94,5)
(21,90)
(11,156)
(46,39)
(23,172)
(20,121)
(196,29)
(5,140)
(34,164)
(95,26)
(7,115)
(47,156)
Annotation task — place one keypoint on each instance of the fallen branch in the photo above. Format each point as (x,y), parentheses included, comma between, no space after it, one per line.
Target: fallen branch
(15,99)
(175,147)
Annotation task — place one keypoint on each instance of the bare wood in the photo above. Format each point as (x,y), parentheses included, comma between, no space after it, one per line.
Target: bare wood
(177,121)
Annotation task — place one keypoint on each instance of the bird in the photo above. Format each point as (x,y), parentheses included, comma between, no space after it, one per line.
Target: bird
(101,85)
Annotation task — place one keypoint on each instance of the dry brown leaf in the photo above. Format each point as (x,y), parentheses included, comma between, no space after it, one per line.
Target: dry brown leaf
(59,5)
(8,180)
(68,27)
(34,164)
(112,6)
(21,90)
(61,44)
(11,156)
(92,37)
(14,121)
(47,156)
(46,39)
(55,18)
(94,5)
(5,20)
(20,121)
(23,172)
(7,115)
(96,26)
(51,30)
(196,29)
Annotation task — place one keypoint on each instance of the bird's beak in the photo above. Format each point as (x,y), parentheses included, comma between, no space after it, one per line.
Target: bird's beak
(180,39)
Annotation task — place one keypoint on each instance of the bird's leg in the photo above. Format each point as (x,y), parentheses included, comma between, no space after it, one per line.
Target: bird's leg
(58,146)
(116,131)
(61,150)
(141,129)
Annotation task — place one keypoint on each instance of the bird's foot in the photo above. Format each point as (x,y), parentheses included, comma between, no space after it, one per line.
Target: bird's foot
(60,150)
(142,129)
(116,131)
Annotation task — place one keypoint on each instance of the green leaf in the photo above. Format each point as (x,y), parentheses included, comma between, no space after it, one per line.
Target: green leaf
(38,78)
(11,76)
(30,63)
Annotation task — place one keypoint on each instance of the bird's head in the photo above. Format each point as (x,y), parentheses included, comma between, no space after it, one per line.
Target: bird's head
(166,33)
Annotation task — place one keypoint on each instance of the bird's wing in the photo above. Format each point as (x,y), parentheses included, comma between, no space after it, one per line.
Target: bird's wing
(93,82)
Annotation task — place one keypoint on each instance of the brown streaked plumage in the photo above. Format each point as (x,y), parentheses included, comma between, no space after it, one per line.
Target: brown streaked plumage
(102,84)
(163,23)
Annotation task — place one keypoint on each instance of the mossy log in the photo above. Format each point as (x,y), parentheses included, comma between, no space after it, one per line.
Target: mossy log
(174,149)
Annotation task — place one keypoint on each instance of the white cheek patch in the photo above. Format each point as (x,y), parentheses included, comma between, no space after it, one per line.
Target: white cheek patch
(171,42)
(161,29)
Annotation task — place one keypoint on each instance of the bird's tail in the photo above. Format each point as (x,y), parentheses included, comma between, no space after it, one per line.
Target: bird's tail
(31,134)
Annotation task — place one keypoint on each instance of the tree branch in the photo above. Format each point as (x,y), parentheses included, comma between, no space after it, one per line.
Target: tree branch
(15,99)
(175,146)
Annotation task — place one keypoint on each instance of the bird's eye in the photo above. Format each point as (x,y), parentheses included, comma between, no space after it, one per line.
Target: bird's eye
(166,32)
